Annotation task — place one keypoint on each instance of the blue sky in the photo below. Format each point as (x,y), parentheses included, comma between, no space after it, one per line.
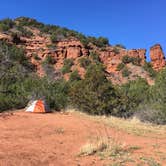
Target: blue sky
(133,23)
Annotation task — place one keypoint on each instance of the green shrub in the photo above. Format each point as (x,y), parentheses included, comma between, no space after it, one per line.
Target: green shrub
(24,32)
(68,63)
(6,24)
(126,59)
(116,50)
(49,60)
(36,57)
(120,46)
(66,69)
(84,62)
(74,76)
(54,38)
(3,27)
(25,21)
(94,94)
(131,95)
(148,67)
(134,60)
(16,38)
(125,72)
(149,113)
(51,46)
(95,57)
(120,66)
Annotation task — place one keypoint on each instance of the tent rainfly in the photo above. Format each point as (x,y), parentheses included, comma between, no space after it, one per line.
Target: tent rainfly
(38,106)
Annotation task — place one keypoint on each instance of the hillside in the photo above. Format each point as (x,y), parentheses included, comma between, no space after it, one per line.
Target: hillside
(68,69)
(58,52)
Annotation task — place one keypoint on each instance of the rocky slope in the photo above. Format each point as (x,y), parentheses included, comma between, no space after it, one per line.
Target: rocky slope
(38,46)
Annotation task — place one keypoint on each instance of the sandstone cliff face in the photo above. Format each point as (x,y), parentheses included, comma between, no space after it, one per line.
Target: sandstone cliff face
(40,46)
(111,59)
(157,57)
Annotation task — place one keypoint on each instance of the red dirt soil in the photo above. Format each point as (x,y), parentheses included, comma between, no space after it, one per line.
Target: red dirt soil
(29,139)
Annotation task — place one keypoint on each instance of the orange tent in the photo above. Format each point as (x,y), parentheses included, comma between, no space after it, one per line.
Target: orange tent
(37,106)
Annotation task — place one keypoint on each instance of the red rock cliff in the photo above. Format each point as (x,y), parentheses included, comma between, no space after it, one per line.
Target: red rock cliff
(157,57)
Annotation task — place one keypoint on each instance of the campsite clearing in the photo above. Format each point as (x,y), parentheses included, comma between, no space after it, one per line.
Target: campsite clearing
(56,139)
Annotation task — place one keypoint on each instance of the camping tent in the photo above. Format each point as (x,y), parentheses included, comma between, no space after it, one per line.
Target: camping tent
(39,106)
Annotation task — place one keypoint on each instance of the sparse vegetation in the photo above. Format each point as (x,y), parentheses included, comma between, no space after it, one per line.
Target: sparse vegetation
(116,50)
(6,24)
(148,67)
(49,60)
(108,148)
(120,66)
(24,32)
(125,72)
(36,57)
(120,46)
(68,63)
(74,76)
(85,62)
(134,60)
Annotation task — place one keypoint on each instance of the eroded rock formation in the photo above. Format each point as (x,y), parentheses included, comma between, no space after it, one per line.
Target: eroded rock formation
(157,57)
(38,47)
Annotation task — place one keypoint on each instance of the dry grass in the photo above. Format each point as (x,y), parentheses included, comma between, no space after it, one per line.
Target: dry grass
(107,148)
(132,126)
(91,148)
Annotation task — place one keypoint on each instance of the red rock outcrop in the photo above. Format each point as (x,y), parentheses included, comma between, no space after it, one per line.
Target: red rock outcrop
(38,47)
(157,57)
(111,59)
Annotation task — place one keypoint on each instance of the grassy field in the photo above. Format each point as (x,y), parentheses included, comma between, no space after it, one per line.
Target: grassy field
(131,126)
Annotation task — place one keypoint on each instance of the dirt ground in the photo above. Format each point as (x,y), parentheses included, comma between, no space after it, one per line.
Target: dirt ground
(28,139)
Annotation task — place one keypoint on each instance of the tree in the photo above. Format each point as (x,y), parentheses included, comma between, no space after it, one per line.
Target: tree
(68,63)
(125,72)
(84,62)
(94,94)
(74,76)
(131,95)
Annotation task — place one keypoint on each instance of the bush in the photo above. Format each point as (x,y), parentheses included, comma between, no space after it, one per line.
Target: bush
(16,38)
(134,60)
(74,76)
(54,38)
(120,66)
(148,113)
(24,32)
(148,67)
(51,46)
(6,24)
(84,62)
(116,50)
(94,56)
(120,46)
(125,72)
(25,21)
(126,59)
(131,95)
(49,60)
(36,57)
(102,42)
(68,63)
(94,94)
